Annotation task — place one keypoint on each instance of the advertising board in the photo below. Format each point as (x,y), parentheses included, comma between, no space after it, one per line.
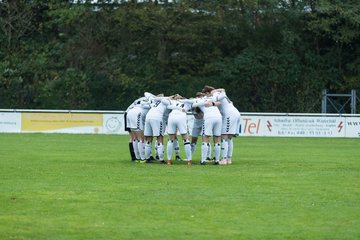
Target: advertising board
(293,126)
(61,122)
(252,124)
(352,126)
(10,122)
(113,124)
(304,126)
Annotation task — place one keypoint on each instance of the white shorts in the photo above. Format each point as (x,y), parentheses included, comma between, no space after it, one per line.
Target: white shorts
(134,119)
(177,121)
(154,127)
(212,126)
(197,127)
(231,124)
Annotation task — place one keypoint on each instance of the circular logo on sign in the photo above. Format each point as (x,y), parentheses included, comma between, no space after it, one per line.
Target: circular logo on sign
(113,124)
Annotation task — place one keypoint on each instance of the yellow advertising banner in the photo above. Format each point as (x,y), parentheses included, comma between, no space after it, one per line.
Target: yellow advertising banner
(56,121)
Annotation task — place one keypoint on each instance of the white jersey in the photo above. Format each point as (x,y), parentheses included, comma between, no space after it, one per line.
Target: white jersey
(154,121)
(136,113)
(180,106)
(143,102)
(136,102)
(231,116)
(226,107)
(209,112)
(212,117)
(158,109)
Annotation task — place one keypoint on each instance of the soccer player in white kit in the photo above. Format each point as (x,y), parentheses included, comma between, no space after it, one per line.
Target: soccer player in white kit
(178,121)
(155,126)
(127,129)
(230,124)
(212,127)
(135,120)
(197,127)
(176,142)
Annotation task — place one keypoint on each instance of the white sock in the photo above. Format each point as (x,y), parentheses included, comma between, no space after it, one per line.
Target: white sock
(147,150)
(160,151)
(187,148)
(204,151)
(224,148)
(169,149)
(141,150)
(136,149)
(217,149)
(230,148)
(176,148)
(209,151)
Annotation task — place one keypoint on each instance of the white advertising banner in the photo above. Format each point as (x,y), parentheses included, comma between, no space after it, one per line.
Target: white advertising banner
(113,124)
(305,126)
(10,122)
(352,126)
(293,126)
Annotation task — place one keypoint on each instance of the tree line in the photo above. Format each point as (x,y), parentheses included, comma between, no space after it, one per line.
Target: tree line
(269,55)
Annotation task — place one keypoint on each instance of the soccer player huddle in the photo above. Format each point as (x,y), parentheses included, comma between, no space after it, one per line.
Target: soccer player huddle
(214,116)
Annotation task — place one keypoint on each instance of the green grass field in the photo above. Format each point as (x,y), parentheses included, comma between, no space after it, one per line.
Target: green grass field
(58,186)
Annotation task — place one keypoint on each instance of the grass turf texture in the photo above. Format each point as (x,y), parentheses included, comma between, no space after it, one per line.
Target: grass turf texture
(58,186)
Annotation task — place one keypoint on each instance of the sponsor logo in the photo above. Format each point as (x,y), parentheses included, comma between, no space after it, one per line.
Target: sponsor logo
(251,126)
(269,126)
(113,124)
(340,126)
(353,123)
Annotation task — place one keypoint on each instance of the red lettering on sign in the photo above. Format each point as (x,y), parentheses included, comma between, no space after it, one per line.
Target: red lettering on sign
(251,127)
